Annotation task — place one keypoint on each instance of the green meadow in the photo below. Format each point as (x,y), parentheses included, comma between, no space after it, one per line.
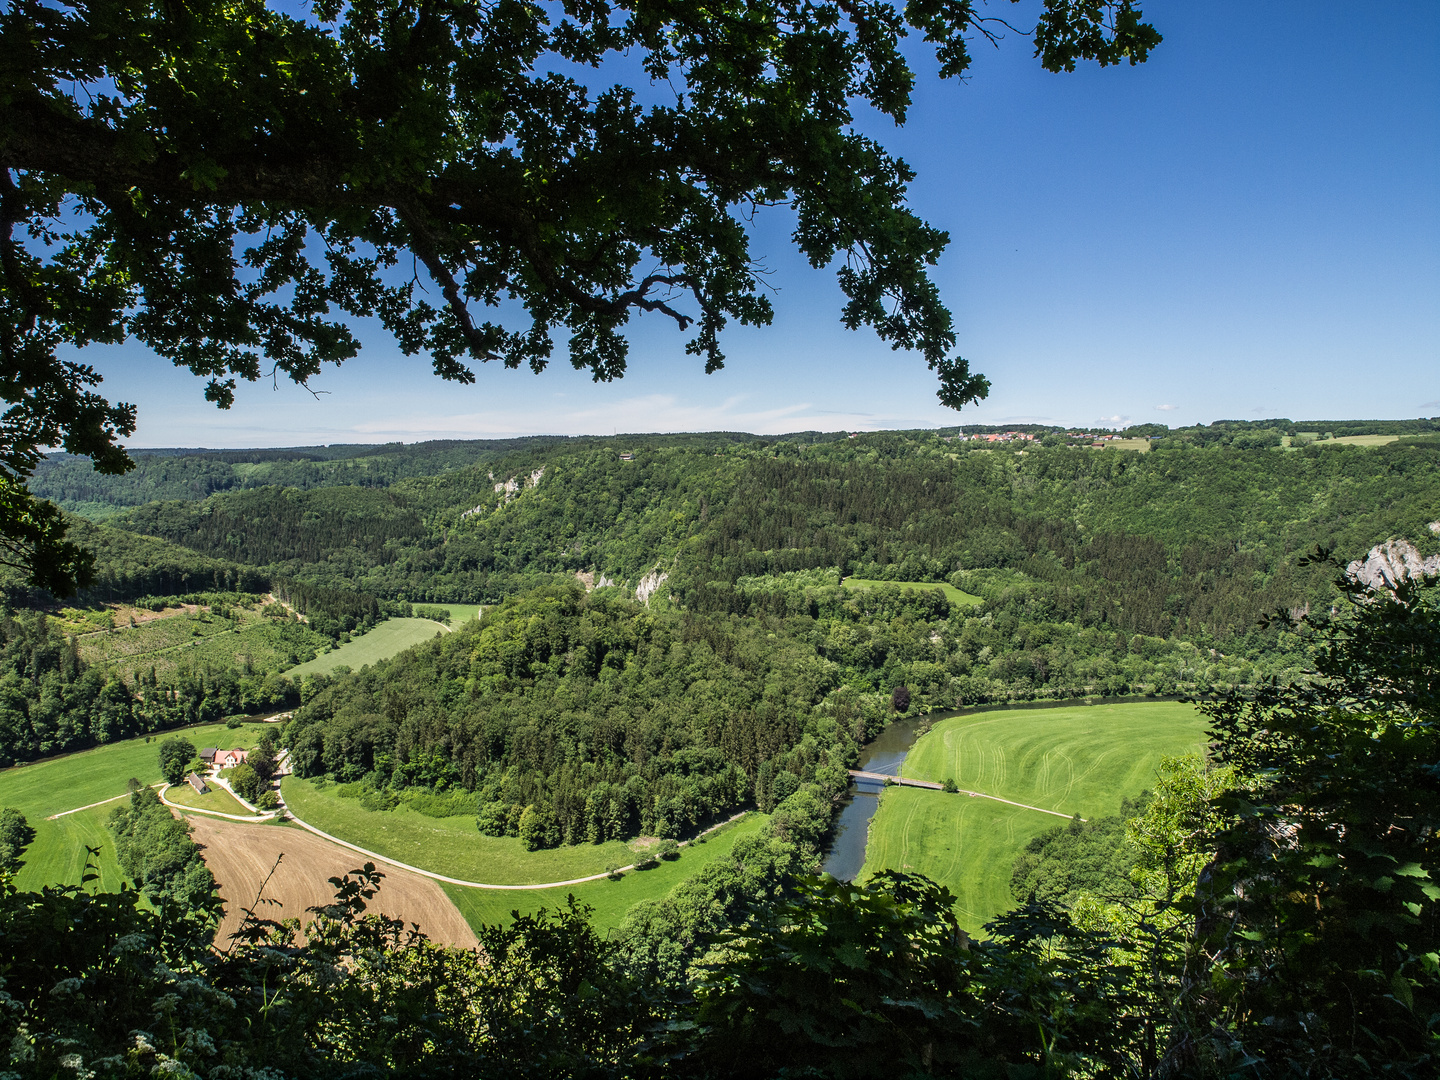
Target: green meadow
(954,595)
(381,643)
(451,846)
(967,844)
(460,614)
(217,799)
(1074,760)
(43,788)
(611,900)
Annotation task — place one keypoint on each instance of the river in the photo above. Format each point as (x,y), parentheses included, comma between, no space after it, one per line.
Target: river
(845,854)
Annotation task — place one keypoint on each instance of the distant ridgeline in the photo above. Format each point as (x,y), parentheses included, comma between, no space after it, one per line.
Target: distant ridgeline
(1095,572)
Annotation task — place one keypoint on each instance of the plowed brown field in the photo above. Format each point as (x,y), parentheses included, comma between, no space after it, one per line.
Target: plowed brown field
(240,855)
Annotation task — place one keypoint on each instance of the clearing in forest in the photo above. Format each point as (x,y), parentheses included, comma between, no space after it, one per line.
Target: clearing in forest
(384,641)
(1076,760)
(57,785)
(954,595)
(241,855)
(197,637)
(460,614)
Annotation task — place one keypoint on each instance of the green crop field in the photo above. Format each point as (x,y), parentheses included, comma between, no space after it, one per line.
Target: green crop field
(967,844)
(1074,760)
(381,643)
(50,787)
(954,595)
(451,846)
(611,900)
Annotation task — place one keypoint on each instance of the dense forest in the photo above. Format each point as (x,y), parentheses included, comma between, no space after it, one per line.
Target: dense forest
(580,719)
(1190,542)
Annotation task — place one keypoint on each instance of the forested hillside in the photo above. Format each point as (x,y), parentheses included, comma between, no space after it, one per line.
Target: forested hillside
(1097,572)
(586,718)
(1195,542)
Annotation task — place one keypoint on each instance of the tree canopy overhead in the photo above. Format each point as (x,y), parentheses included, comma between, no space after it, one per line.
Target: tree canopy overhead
(232,183)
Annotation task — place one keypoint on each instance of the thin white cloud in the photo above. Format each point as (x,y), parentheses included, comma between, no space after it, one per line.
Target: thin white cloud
(651,412)
(1431,405)
(1167,408)
(1114,421)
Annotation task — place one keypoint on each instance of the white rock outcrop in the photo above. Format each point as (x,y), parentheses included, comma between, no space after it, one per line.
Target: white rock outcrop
(591,580)
(649,584)
(1392,562)
(515,484)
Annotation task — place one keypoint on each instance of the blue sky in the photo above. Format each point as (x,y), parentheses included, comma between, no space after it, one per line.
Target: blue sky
(1247,226)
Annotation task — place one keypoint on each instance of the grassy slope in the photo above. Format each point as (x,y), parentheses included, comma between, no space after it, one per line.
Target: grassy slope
(1363,440)
(1079,760)
(966,844)
(954,595)
(460,614)
(49,787)
(58,855)
(611,900)
(450,846)
(217,798)
(1084,760)
(387,639)
(180,639)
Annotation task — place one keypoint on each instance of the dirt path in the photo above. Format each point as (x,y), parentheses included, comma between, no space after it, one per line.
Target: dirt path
(905,781)
(240,855)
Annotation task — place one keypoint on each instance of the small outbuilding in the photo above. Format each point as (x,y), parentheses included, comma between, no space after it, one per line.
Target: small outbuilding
(194,780)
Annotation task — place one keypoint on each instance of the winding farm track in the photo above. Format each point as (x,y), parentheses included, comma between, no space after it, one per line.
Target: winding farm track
(242,855)
(481,884)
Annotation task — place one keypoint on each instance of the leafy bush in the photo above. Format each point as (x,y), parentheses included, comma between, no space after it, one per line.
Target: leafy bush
(16,835)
